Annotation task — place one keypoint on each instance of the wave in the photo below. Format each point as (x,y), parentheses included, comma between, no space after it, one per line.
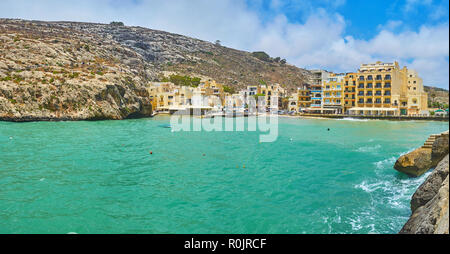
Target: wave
(353,119)
(368,149)
(385,164)
(396,192)
(389,162)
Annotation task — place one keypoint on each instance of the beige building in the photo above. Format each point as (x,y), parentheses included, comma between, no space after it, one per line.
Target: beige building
(169,98)
(417,97)
(273,95)
(316,80)
(293,103)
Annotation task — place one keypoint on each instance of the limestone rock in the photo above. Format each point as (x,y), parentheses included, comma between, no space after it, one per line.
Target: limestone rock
(50,72)
(431,218)
(440,148)
(431,186)
(415,163)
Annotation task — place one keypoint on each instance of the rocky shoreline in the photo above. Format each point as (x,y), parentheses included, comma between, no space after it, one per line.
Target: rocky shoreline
(429,204)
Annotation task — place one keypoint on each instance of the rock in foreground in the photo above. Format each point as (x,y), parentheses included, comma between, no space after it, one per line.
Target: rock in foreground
(429,204)
(419,161)
(415,163)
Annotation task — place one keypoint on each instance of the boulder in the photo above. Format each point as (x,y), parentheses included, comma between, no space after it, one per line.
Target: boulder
(431,218)
(415,163)
(440,148)
(431,186)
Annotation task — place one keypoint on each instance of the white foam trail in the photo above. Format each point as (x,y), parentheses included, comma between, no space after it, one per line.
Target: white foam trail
(354,119)
(366,149)
(387,163)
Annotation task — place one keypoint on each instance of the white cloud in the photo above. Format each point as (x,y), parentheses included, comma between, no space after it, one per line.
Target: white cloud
(320,40)
(413,4)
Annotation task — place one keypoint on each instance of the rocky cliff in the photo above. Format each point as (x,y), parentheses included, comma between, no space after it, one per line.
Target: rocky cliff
(429,204)
(49,72)
(69,70)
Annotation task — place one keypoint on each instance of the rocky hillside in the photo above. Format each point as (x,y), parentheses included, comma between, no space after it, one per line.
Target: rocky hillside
(193,57)
(437,95)
(69,70)
(50,72)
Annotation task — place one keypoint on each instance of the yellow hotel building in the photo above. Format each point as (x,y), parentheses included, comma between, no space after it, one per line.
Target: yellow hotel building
(384,89)
(333,91)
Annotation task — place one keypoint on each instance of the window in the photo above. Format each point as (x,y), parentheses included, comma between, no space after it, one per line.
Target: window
(361,77)
(387,77)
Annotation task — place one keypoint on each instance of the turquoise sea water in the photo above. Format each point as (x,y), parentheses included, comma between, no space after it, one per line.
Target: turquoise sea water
(98,177)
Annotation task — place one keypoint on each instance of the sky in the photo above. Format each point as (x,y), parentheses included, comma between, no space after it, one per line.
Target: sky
(336,35)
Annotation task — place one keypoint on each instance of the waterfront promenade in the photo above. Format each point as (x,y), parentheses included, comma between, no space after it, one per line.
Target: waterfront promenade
(396,118)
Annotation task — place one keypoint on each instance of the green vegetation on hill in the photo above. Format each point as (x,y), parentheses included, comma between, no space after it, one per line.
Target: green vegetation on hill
(437,97)
(437,104)
(261,55)
(116,23)
(229,89)
(180,80)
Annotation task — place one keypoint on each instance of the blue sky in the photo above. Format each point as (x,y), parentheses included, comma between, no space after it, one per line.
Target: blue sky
(337,35)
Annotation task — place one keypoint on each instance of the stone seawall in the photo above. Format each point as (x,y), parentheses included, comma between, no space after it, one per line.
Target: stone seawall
(393,118)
